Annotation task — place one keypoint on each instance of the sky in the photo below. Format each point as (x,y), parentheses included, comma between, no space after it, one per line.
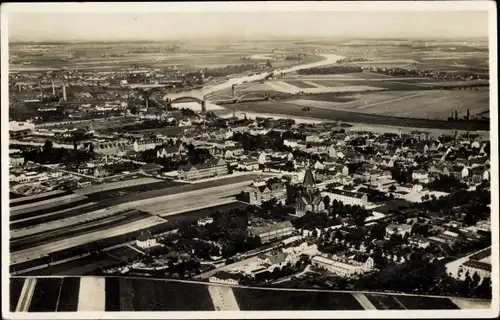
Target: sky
(194,25)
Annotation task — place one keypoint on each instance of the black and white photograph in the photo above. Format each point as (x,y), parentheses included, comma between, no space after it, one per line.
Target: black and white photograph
(321,159)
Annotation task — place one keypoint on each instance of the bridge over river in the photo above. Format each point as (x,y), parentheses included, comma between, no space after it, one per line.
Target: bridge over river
(208,93)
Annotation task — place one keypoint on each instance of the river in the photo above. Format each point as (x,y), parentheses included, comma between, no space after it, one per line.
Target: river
(200,93)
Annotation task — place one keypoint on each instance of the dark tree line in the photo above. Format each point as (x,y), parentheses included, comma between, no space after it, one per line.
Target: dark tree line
(50,155)
(331,70)
(445,183)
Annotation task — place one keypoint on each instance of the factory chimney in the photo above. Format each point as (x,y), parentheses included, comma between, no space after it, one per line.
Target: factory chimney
(64,92)
(41,91)
(456,115)
(468,114)
(53,88)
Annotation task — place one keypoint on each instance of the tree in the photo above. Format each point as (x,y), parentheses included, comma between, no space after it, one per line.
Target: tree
(48,146)
(475,280)
(268,64)
(484,289)
(133,110)
(326,201)
(188,231)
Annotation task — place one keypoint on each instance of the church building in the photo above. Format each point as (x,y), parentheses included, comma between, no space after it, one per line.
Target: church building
(309,197)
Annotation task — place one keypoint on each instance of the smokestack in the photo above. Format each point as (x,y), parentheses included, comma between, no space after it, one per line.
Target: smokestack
(468,114)
(456,115)
(53,88)
(203,107)
(41,91)
(64,92)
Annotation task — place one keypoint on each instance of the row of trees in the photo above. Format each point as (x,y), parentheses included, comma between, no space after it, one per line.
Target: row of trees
(331,70)
(445,183)
(50,155)
(272,140)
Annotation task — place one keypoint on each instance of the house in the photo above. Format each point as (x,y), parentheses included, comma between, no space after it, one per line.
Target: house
(261,192)
(332,153)
(400,229)
(205,221)
(408,187)
(33,176)
(223,277)
(483,269)
(150,168)
(443,238)
(313,138)
(292,143)
(421,176)
(16,160)
(168,152)
(479,262)
(83,184)
(213,168)
(418,241)
(304,249)
(143,145)
(341,265)
(248,164)
(270,260)
(270,232)
(348,197)
(100,172)
(145,240)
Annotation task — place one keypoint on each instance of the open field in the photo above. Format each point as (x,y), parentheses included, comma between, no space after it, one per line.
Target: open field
(27,208)
(133,185)
(98,200)
(48,301)
(194,214)
(147,294)
(429,104)
(424,303)
(299,83)
(68,231)
(83,266)
(16,285)
(36,252)
(289,109)
(157,60)
(38,197)
(47,210)
(254,299)
(54,215)
(383,302)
